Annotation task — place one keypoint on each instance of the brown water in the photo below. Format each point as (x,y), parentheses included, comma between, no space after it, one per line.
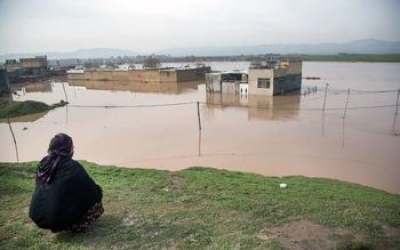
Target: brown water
(283,135)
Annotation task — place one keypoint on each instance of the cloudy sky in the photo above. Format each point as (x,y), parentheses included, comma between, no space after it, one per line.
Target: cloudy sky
(32,26)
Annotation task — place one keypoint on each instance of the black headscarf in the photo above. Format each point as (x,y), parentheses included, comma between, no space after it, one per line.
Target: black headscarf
(60,148)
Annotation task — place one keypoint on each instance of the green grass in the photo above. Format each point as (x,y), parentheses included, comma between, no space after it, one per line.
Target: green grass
(353,58)
(202,208)
(10,109)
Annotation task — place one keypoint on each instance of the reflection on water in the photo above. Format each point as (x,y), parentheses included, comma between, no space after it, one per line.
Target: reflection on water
(281,135)
(258,107)
(274,108)
(38,87)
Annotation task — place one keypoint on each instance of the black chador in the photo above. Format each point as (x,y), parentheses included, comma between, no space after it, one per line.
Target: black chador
(65,197)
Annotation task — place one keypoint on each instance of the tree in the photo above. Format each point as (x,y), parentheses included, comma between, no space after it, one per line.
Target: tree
(151,62)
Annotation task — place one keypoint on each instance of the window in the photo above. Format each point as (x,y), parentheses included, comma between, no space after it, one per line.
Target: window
(263,83)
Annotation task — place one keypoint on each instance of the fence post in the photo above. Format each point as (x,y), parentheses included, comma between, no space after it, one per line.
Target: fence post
(397,111)
(323,110)
(65,92)
(397,103)
(13,136)
(326,92)
(198,115)
(347,102)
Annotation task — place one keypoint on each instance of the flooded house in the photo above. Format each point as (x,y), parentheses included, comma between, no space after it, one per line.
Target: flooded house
(26,68)
(141,75)
(226,82)
(4,82)
(274,76)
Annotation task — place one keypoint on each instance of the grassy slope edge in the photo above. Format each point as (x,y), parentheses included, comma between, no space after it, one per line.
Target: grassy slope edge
(10,109)
(202,208)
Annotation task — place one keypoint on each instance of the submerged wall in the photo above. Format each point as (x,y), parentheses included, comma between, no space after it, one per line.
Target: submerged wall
(148,75)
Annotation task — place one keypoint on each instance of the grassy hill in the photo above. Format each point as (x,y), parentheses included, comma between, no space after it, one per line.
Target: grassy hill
(10,109)
(202,208)
(393,58)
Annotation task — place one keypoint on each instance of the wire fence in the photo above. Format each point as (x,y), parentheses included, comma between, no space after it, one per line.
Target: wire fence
(276,106)
(288,106)
(285,106)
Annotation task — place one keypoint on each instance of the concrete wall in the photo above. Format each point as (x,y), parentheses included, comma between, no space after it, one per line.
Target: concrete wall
(98,75)
(288,77)
(26,68)
(136,86)
(213,82)
(31,64)
(185,75)
(254,74)
(149,75)
(231,87)
(168,75)
(120,75)
(144,75)
(4,82)
(75,76)
(286,83)
(37,62)
(295,67)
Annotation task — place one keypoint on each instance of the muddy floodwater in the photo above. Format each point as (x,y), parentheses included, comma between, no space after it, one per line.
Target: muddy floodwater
(157,126)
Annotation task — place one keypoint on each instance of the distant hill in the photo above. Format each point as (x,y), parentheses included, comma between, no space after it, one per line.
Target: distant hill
(367,46)
(98,53)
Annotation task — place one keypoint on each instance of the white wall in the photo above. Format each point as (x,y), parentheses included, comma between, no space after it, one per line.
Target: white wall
(254,74)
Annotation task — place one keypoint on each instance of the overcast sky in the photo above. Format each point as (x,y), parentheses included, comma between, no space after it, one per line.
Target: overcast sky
(147,26)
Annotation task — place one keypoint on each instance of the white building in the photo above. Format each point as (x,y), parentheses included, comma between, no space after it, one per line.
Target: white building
(274,77)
